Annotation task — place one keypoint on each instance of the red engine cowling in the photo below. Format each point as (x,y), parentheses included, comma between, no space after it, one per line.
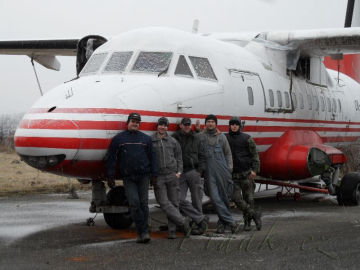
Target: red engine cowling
(298,154)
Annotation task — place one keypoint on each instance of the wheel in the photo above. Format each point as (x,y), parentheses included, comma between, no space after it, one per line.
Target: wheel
(279,196)
(349,191)
(116,196)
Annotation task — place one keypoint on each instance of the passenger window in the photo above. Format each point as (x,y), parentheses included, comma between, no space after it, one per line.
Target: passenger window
(279,98)
(309,102)
(202,67)
(271,96)
(94,63)
(322,102)
(118,62)
(287,100)
(153,62)
(334,105)
(339,105)
(250,95)
(301,98)
(328,104)
(316,105)
(183,68)
(294,100)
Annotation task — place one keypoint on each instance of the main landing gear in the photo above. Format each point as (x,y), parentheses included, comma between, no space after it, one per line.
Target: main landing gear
(348,192)
(113,205)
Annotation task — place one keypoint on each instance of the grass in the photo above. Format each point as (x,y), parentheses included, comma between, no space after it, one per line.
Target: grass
(18,178)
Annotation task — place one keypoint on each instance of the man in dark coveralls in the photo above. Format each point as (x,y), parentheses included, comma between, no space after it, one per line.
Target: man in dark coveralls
(246,164)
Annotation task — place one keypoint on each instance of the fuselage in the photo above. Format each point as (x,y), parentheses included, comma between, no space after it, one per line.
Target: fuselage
(165,72)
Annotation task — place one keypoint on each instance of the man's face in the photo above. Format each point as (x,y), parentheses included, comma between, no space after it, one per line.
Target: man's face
(133,125)
(185,127)
(234,127)
(162,129)
(210,124)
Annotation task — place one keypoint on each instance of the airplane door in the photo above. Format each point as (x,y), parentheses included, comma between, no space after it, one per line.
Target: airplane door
(247,93)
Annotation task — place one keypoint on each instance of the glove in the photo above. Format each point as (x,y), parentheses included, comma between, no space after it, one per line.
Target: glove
(153,180)
(111,182)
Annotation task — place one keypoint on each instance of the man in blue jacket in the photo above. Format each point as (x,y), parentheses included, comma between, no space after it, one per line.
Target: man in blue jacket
(133,151)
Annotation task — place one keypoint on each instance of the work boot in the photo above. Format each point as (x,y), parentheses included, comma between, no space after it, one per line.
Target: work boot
(203,225)
(139,239)
(247,223)
(257,218)
(187,227)
(172,235)
(235,227)
(146,237)
(220,228)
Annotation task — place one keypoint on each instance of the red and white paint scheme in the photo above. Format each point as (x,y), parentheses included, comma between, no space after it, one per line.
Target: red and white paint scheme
(297,111)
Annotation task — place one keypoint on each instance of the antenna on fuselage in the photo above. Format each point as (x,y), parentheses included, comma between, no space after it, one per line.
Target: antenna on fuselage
(195,27)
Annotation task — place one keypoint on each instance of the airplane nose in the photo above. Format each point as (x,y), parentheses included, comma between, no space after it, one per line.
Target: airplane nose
(44,143)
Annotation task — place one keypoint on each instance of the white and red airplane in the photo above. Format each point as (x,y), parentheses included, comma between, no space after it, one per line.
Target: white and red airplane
(298,112)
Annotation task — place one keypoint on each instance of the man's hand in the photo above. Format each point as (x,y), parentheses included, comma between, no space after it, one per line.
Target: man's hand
(252,175)
(178,175)
(111,182)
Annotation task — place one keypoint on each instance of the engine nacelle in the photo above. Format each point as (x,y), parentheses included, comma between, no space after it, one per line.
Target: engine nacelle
(299,154)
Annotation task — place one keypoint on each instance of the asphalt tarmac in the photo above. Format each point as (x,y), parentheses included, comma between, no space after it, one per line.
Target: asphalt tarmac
(50,232)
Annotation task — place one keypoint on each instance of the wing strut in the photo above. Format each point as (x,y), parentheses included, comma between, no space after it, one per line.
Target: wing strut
(37,78)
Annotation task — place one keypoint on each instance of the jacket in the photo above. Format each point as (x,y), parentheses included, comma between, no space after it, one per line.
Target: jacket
(168,154)
(134,153)
(192,151)
(245,156)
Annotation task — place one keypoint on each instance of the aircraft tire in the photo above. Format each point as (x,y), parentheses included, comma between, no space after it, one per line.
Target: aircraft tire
(349,191)
(118,221)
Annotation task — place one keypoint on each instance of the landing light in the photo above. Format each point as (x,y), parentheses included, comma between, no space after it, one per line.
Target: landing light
(42,162)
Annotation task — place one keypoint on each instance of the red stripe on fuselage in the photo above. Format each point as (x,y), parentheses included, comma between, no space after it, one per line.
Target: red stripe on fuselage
(102,144)
(150,126)
(180,115)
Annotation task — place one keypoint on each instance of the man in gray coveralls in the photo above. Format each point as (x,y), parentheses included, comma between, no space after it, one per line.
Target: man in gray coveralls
(193,167)
(166,186)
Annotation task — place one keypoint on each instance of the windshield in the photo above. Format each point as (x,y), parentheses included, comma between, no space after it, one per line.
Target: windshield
(118,62)
(153,62)
(94,63)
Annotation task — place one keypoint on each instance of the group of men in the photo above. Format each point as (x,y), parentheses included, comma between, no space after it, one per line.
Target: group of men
(221,166)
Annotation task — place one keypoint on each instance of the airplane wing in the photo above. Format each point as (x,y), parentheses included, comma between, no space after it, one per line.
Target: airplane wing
(42,51)
(321,42)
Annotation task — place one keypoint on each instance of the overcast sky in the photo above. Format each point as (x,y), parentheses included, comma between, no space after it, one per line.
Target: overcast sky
(46,19)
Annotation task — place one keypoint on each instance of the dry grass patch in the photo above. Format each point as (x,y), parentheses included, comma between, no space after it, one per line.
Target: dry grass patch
(19,178)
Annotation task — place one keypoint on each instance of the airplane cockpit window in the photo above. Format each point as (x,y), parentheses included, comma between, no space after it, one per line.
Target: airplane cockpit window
(152,62)
(202,68)
(183,68)
(271,96)
(287,100)
(250,95)
(279,98)
(118,62)
(94,63)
